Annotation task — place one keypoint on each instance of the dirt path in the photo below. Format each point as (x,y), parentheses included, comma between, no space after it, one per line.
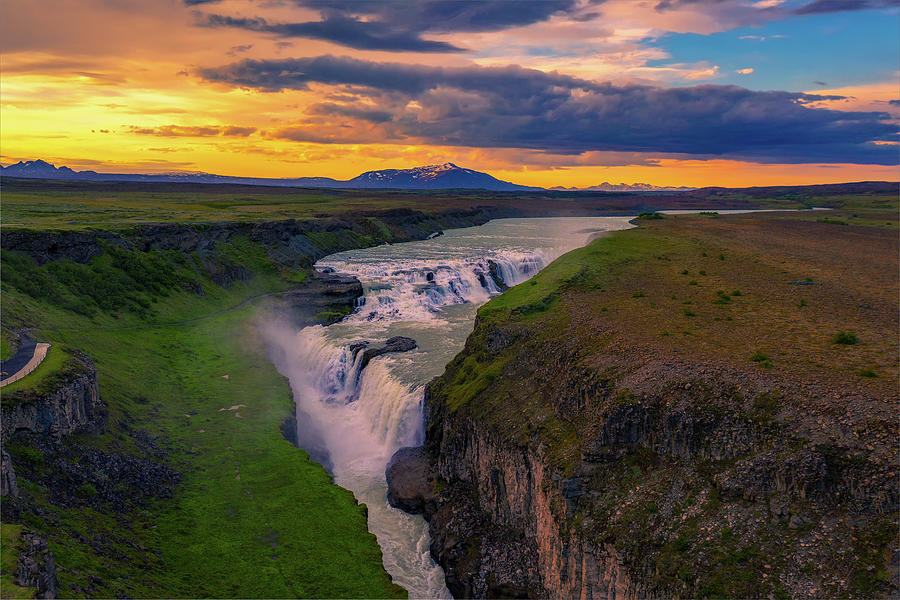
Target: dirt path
(39,351)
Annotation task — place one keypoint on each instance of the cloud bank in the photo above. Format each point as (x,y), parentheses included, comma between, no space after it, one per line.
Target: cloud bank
(514,107)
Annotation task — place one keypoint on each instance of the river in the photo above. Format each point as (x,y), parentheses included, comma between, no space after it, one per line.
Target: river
(352,420)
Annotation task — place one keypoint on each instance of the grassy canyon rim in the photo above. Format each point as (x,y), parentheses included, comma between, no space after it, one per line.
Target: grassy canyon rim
(743,428)
(209,485)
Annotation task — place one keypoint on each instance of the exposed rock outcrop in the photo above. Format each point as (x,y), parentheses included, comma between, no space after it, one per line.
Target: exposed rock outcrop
(289,242)
(68,403)
(397,343)
(8,485)
(411,482)
(37,567)
(326,297)
(497,275)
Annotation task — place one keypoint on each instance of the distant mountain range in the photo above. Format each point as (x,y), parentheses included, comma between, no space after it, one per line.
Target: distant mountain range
(432,177)
(624,187)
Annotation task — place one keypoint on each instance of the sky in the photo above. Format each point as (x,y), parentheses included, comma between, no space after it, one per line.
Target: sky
(539,92)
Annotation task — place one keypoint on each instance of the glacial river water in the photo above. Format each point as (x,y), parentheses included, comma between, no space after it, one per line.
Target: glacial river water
(353,420)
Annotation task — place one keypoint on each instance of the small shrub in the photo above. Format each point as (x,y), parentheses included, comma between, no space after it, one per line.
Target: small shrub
(703,273)
(684,272)
(736,293)
(688,313)
(650,215)
(759,356)
(638,294)
(693,282)
(721,257)
(802,303)
(722,298)
(87,491)
(845,338)
(766,405)
(762,358)
(867,373)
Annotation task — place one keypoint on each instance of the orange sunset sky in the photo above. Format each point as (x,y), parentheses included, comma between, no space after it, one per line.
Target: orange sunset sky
(571,93)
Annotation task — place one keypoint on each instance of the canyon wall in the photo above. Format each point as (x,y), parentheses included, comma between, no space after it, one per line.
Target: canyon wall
(671,479)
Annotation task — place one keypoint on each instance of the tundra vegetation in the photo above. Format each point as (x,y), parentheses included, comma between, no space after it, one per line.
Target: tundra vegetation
(560,364)
(218,503)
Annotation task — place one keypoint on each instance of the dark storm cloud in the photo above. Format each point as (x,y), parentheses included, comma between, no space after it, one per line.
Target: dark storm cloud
(447,15)
(832,6)
(397,26)
(515,107)
(340,30)
(295,73)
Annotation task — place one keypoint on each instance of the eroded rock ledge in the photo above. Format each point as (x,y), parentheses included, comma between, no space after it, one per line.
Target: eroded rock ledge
(68,403)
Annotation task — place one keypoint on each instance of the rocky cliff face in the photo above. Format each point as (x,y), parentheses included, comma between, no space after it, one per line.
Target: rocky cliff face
(8,485)
(69,403)
(37,567)
(669,479)
(291,242)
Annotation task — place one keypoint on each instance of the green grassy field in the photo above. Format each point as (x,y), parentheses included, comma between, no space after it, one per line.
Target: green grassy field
(248,499)
(251,516)
(80,205)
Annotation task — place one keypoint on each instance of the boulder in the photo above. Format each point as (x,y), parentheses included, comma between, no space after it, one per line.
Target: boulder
(411,482)
(395,344)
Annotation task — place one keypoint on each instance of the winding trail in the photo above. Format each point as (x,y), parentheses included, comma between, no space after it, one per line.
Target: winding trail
(29,355)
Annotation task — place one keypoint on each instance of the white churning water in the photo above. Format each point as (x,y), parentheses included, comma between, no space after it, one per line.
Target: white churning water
(351,419)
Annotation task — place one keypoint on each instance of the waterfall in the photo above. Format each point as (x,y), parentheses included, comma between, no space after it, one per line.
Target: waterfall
(419,289)
(351,418)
